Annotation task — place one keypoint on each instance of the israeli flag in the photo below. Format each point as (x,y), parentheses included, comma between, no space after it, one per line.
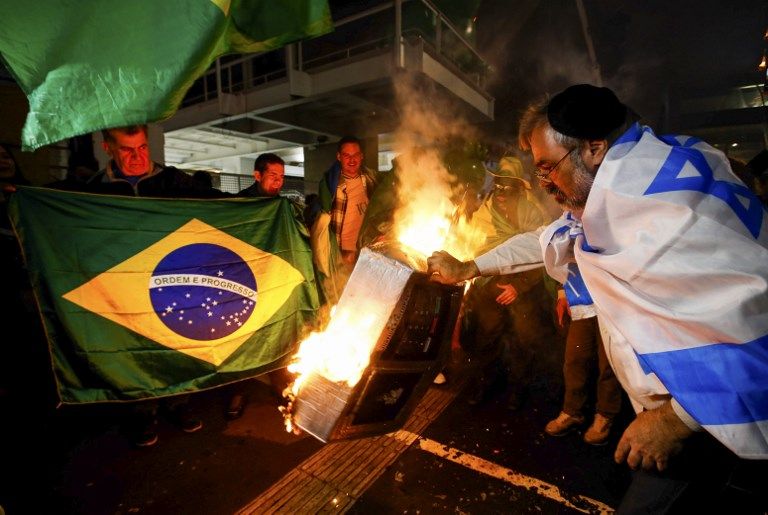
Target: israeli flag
(674,251)
(557,242)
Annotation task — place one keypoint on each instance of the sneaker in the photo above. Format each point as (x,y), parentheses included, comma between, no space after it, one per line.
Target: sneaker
(236,407)
(599,431)
(563,424)
(144,433)
(186,420)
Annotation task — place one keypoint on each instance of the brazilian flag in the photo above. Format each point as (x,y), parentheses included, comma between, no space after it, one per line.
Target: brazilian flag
(87,65)
(144,297)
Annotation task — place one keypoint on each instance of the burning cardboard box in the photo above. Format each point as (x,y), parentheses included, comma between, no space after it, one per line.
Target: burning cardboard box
(388,338)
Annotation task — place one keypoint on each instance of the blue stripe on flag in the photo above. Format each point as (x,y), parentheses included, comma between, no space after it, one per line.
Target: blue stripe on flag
(725,383)
(575,289)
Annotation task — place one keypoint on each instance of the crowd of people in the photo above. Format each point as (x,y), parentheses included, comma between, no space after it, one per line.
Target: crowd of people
(658,279)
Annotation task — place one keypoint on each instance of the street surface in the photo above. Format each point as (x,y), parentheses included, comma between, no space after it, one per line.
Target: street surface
(466,459)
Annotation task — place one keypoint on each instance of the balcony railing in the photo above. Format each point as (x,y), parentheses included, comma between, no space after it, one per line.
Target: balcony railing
(370,32)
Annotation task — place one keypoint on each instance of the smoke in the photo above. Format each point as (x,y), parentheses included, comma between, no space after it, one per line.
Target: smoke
(428,123)
(537,48)
(427,192)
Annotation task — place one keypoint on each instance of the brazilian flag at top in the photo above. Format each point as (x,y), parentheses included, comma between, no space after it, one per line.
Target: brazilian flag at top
(87,65)
(145,297)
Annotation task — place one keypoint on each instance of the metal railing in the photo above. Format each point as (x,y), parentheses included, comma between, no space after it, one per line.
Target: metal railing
(371,31)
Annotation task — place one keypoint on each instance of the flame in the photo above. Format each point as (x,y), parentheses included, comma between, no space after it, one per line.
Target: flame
(341,353)
(424,230)
(425,221)
(336,353)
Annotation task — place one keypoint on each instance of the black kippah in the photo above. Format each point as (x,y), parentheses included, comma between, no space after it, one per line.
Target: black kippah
(586,112)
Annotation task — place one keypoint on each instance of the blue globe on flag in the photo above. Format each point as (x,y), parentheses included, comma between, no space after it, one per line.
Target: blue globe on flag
(203,291)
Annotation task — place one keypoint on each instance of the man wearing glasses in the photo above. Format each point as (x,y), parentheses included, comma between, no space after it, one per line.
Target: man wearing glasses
(672,247)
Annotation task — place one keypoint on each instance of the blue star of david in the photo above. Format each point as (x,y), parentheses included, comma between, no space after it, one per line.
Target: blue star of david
(667,180)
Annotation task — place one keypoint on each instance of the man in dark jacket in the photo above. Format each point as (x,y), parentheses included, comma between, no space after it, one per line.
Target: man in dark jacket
(269,172)
(132,172)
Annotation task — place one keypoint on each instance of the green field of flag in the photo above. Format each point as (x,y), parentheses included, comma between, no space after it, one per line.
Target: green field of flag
(87,65)
(145,297)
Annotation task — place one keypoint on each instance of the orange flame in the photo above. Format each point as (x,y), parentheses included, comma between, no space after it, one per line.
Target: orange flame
(340,353)
(426,222)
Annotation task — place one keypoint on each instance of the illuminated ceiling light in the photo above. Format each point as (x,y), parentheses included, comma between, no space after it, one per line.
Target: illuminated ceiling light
(734,145)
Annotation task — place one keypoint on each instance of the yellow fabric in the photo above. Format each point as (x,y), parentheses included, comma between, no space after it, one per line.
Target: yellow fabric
(498,229)
(512,168)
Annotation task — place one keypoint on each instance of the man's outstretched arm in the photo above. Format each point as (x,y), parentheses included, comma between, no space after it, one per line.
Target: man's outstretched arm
(446,269)
(519,253)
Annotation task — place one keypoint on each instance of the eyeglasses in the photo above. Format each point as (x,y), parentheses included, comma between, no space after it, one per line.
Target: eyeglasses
(501,188)
(347,157)
(544,174)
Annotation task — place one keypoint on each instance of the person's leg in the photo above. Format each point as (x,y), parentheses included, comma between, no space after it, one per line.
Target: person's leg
(704,478)
(580,349)
(237,401)
(182,413)
(525,338)
(651,493)
(608,387)
(608,393)
(482,325)
(579,358)
(142,423)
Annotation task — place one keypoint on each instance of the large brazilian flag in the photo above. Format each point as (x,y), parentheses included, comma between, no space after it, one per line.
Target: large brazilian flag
(87,65)
(145,297)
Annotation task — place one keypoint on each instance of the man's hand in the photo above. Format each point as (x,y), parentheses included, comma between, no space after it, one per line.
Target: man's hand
(652,438)
(508,294)
(561,308)
(446,269)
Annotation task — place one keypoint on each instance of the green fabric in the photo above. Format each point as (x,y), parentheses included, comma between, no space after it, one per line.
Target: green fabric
(124,283)
(89,65)
(331,286)
(380,211)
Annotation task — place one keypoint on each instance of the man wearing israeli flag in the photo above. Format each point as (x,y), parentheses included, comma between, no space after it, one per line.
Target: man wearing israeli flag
(673,248)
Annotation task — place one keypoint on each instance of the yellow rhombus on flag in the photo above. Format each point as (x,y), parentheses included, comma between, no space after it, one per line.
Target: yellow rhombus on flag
(123,293)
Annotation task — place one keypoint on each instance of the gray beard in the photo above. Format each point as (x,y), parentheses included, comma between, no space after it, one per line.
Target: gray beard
(582,184)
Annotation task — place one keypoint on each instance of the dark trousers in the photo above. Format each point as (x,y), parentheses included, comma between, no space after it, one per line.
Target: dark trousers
(145,412)
(497,337)
(704,478)
(585,359)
